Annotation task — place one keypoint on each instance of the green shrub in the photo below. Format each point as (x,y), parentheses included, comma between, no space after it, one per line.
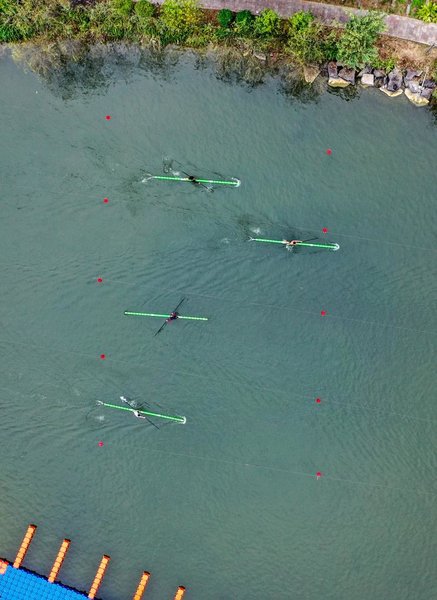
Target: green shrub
(179,19)
(428,12)
(385,64)
(122,8)
(415,4)
(225,18)
(7,8)
(147,23)
(106,23)
(144,9)
(305,44)
(8,32)
(244,23)
(202,37)
(25,18)
(267,23)
(356,46)
(308,41)
(300,20)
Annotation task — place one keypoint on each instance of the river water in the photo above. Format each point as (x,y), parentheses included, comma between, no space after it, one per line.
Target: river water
(229,504)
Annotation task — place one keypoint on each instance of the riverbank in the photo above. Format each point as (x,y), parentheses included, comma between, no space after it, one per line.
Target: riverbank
(354,52)
(398,26)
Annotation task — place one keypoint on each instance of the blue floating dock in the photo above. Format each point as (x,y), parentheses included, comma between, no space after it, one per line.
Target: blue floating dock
(18,583)
(21,584)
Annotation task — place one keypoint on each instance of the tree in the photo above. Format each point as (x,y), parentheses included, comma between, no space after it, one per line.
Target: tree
(244,23)
(307,39)
(356,46)
(180,19)
(267,23)
(225,17)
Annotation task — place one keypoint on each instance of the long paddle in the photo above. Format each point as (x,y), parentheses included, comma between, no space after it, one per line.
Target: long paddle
(196,181)
(166,321)
(126,401)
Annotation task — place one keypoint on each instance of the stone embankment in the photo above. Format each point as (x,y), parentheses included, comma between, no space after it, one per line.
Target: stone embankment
(417,88)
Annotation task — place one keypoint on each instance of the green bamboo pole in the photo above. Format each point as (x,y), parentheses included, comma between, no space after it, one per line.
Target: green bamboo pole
(149,413)
(328,246)
(213,181)
(144,314)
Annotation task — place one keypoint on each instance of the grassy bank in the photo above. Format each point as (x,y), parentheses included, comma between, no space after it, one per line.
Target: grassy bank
(182,22)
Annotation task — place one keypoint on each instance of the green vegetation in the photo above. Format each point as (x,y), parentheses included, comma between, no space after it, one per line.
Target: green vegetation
(183,22)
(427,12)
(144,9)
(301,20)
(267,24)
(122,7)
(356,47)
(179,19)
(145,14)
(244,23)
(225,18)
(308,41)
(303,38)
(387,64)
(8,29)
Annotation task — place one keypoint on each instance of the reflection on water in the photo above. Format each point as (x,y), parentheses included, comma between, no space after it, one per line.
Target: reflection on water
(70,68)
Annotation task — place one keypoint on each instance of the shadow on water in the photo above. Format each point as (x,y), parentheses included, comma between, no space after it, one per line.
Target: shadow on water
(349,93)
(294,87)
(71,68)
(232,66)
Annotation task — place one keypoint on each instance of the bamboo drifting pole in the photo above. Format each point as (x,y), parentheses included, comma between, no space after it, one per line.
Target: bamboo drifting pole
(179,593)
(131,313)
(24,546)
(234,183)
(59,560)
(99,576)
(142,586)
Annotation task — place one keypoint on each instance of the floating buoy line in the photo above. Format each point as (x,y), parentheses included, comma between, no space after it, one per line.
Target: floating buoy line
(207,377)
(314,475)
(307,474)
(276,307)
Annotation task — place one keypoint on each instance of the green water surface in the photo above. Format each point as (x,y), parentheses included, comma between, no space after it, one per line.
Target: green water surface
(228,504)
